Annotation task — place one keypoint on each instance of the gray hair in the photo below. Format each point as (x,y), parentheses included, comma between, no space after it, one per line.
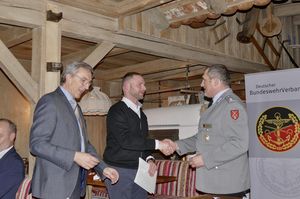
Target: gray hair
(220,72)
(12,126)
(73,68)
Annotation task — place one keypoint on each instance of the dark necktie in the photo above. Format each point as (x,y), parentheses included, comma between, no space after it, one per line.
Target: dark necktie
(81,125)
(210,103)
(80,121)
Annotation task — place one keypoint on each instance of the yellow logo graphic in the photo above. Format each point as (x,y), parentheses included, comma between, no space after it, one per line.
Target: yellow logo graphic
(278,129)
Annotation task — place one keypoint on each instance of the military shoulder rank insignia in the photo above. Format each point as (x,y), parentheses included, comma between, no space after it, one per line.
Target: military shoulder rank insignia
(229,99)
(235,114)
(278,129)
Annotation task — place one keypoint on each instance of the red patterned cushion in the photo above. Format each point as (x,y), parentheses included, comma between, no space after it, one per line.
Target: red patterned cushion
(186,177)
(183,187)
(23,190)
(99,192)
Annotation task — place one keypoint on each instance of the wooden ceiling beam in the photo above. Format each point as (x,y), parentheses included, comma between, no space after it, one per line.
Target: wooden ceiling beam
(160,47)
(77,56)
(82,54)
(164,75)
(155,46)
(237,77)
(99,53)
(17,74)
(130,7)
(23,12)
(175,74)
(84,17)
(108,7)
(117,51)
(289,9)
(143,68)
(105,8)
(18,39)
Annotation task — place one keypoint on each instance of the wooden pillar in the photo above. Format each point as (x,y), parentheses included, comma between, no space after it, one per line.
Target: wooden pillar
(46,47)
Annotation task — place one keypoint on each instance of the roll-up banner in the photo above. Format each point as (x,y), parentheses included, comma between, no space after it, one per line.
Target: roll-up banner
(273,107)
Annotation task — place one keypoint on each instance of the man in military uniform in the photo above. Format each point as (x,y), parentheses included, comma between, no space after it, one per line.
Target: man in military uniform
(221,144)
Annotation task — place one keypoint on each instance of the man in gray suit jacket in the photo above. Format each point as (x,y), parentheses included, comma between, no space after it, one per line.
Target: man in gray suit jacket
(221,144)
(59,141)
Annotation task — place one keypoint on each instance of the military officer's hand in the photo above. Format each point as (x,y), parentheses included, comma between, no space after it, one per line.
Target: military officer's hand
(196,161)
(152,168)
(167,146)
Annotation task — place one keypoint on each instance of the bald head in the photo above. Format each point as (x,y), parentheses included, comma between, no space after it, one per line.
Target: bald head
(8,132)
(133,86)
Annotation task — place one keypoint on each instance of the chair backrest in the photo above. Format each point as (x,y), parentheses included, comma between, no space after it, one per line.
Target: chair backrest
(186,179)
(24,189)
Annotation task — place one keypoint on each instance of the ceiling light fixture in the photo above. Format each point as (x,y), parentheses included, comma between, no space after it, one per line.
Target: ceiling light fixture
(95,102)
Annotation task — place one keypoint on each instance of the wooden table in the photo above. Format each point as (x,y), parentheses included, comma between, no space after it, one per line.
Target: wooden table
(99,183)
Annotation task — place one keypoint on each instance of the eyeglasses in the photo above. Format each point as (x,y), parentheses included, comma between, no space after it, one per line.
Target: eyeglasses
(84,81)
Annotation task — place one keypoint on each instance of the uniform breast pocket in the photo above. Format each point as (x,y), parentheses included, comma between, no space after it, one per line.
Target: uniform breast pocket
(210,136)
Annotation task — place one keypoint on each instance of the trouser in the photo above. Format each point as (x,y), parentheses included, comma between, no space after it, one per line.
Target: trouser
(125,188)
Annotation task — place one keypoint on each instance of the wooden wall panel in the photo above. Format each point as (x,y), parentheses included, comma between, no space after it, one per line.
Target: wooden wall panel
(15,107)
(96,126)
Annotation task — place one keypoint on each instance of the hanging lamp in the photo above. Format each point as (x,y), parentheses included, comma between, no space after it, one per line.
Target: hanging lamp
(95,102)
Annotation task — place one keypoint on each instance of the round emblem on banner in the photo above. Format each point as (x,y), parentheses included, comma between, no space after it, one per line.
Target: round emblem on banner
(279,176)
(278,129)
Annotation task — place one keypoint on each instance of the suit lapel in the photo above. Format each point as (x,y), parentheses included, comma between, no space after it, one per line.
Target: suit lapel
(11,151)
(67,105)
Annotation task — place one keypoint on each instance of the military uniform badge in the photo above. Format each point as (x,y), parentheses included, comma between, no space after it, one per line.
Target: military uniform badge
(235,114)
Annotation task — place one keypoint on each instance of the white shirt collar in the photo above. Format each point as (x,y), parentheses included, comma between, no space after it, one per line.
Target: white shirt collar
(133,106)
(219,94)
(2,153)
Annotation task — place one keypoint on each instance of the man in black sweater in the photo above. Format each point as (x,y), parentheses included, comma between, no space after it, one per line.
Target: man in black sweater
(127,131)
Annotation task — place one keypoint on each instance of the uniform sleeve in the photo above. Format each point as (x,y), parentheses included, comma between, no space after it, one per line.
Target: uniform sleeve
(236,135)
(186,145)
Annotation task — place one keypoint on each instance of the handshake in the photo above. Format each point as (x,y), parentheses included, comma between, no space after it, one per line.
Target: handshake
(167,146)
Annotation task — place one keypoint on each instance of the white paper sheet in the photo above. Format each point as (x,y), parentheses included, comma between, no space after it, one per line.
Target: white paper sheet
(143,179)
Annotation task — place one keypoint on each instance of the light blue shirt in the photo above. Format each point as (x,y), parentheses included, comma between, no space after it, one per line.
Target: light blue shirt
(73,103)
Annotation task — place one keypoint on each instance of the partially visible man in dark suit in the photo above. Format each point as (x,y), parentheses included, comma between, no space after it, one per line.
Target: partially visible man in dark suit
(59,140)
(12,169)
